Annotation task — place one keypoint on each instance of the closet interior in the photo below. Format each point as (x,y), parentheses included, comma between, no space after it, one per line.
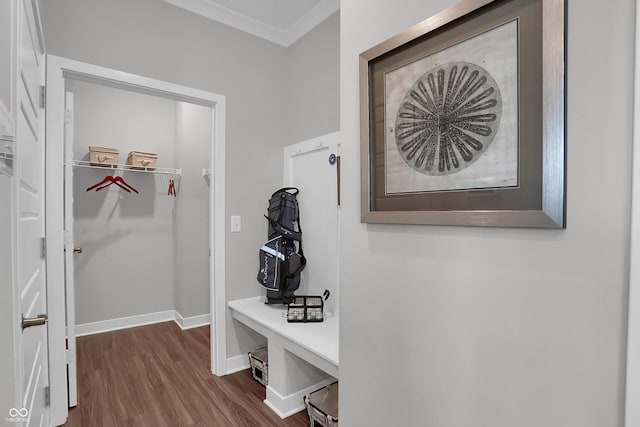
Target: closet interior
(142,248)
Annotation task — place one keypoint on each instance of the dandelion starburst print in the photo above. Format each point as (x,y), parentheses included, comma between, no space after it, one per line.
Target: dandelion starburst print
(448,118)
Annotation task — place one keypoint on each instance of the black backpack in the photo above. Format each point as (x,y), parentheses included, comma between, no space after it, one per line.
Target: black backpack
(281,258)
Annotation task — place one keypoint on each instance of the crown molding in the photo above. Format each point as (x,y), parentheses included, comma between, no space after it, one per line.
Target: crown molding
(286,37)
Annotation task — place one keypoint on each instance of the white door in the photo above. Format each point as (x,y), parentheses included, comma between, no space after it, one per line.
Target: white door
(32,344)
(69,253)
(313,167)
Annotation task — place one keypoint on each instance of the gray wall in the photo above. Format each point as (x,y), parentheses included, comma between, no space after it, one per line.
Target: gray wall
(155,39)
(154,248)
(191,223)
(127,266)
(313,83)
(485,326)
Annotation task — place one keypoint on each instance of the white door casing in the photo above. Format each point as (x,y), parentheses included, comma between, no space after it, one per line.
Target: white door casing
(310,167)
(8,304)
(30,275)
(632,407)
(69,253)
(58,71)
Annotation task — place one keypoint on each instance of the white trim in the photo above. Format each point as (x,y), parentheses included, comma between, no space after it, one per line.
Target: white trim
(283,37)
(217,243)
(124,323)
(141,320)
(69,252)
(285,406)
(193,321)
(632,407)
(311,19)
(17,349)
(54,202)
(57,70)
(237,363)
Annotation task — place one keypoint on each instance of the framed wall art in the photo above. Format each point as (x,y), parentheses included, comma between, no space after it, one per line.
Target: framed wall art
(463,118)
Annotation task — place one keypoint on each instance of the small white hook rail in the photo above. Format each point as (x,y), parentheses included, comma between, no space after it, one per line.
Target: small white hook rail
(127,168)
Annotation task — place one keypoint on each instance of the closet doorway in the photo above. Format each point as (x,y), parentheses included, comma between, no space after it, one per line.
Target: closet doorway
(125,233)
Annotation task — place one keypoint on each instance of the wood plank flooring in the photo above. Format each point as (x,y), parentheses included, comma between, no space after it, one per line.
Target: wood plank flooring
(159,376)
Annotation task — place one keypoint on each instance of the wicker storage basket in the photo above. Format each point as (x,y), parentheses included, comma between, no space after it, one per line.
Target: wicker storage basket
(259,360)
(322,406)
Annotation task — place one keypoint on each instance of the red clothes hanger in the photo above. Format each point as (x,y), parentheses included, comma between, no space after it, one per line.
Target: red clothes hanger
(121,182)
(112,180)
(108,180)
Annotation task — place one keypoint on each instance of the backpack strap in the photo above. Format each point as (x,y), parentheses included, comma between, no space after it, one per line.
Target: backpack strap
(284,231)
(303,259)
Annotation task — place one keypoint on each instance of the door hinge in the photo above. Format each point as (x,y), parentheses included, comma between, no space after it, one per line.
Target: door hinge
(43,97)
(47,396)
(43,247)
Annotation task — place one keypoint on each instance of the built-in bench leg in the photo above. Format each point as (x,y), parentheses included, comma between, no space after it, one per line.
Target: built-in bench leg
(290,378)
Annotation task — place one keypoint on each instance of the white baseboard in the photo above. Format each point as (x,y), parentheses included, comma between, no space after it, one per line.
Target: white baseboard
(285,406)
(141,320)
(193,321)
(237,364)
(124,323)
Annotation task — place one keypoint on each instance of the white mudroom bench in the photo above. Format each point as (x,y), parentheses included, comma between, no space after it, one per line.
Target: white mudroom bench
(289,377)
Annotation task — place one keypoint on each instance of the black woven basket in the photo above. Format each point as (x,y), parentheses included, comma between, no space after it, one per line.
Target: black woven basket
(307,308)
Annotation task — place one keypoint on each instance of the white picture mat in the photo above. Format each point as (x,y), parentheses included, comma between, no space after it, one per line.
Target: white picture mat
(496,51)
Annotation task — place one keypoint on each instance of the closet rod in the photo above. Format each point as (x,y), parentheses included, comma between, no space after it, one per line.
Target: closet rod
(160,171)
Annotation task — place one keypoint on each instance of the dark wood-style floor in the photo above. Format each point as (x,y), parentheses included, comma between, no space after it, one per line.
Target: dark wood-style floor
(159,375)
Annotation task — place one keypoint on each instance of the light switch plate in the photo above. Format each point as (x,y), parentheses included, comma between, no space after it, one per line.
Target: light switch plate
(235,224)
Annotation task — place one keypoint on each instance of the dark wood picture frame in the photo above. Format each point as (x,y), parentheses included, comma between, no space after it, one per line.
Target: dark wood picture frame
(537,198)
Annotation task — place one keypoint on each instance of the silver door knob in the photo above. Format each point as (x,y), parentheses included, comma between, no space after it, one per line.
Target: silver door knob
(28,322)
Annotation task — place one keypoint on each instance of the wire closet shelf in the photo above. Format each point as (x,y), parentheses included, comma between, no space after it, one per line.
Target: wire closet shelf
(128,168)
